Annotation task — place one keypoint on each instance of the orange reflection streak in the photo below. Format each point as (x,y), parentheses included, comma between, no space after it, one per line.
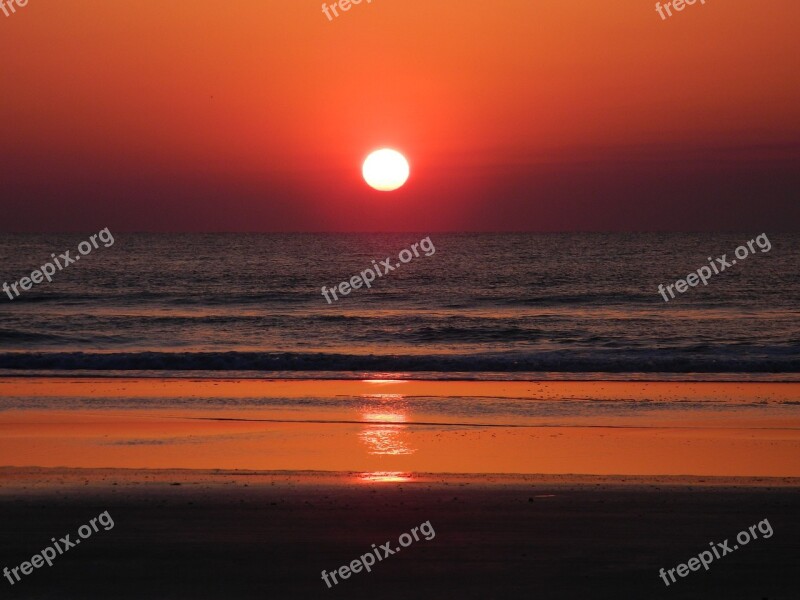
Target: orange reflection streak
(389,418)
(383,477)
(387,435)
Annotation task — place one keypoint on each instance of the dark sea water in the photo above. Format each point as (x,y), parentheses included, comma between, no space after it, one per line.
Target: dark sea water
(500,306)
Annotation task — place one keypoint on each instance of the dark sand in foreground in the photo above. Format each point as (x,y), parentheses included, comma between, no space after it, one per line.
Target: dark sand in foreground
(193,534)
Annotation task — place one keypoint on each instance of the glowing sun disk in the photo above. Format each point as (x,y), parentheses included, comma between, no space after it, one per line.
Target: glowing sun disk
(385,170)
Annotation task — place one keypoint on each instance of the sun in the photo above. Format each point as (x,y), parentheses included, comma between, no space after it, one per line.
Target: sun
(385,170)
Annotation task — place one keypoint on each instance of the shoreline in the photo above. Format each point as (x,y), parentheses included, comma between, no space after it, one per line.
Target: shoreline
(16,479)
(459,376)
(243,388)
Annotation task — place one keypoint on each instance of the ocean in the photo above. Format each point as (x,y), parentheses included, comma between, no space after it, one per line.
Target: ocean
(482,306)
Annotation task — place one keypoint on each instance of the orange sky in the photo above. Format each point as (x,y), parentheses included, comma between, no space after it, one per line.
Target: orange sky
(515,114)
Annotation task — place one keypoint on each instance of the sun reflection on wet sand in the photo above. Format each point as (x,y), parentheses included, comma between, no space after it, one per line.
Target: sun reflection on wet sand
(384,432)
(385,439)
(384,477)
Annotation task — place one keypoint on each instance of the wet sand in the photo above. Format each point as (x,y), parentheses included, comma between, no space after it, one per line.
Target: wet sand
(254,499)
(673,428)
(194,534)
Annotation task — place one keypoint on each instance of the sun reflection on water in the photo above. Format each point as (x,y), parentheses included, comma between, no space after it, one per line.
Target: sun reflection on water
(384,430)
(384,477)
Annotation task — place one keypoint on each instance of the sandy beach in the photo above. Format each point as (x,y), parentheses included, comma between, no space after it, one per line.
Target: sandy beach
(227,488)
(199,534)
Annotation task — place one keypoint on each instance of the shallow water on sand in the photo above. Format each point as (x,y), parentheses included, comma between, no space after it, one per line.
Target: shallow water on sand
(397,428)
